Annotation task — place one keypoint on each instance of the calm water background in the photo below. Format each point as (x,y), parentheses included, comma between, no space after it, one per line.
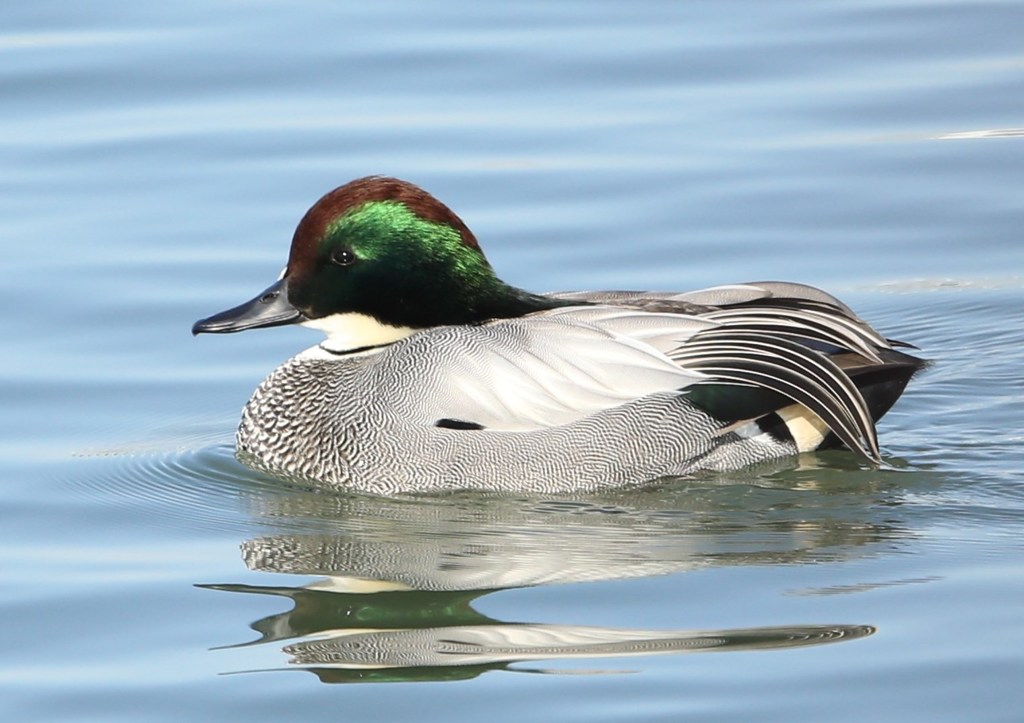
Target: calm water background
(154,159)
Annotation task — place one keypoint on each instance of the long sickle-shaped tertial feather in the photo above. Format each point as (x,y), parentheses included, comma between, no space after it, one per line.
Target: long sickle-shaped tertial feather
(788,368)
(804,323)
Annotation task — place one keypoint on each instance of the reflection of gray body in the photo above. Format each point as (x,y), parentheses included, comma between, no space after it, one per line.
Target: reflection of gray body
(473,543)
(478,645)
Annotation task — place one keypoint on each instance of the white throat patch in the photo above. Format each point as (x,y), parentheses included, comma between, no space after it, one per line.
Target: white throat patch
(352,331)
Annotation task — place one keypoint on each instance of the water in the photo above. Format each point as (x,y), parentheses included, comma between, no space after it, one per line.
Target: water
(155,160)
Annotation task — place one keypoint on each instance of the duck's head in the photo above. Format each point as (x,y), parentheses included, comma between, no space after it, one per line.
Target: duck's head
(374,261)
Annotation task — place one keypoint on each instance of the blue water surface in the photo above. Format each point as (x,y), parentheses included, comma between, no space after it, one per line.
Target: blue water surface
(155,160)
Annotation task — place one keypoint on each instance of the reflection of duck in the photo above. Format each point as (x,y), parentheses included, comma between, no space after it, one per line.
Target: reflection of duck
(402,574)
(407,636)
(475,542)
(436,375)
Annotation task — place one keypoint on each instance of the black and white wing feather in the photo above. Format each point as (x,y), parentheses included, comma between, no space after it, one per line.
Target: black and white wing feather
(790,339)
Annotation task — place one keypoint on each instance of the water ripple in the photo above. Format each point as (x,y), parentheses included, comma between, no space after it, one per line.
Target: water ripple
(204,486)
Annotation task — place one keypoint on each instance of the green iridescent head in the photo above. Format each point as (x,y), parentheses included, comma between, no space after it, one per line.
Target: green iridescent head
(388,249)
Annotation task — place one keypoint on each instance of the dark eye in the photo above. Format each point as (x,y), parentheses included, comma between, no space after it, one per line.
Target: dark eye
(343,257)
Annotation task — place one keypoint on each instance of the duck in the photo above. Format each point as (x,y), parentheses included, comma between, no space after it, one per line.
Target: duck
(436,376)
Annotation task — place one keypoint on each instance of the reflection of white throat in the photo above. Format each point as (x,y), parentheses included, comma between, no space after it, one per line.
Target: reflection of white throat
(352,331)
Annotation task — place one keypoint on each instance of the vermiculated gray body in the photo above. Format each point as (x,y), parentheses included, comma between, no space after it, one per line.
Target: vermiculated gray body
(367,422)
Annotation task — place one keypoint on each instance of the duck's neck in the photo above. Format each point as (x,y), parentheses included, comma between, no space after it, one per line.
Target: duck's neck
(448,304)
(507,302)
(356,331)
